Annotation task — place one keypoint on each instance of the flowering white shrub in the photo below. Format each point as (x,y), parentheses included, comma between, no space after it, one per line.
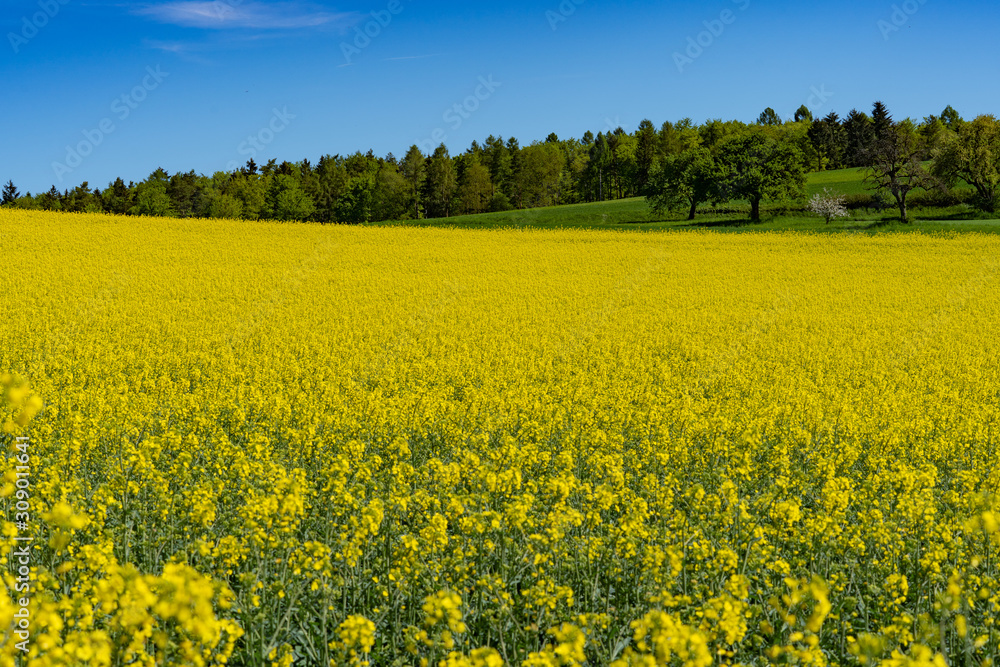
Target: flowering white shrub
(829,205)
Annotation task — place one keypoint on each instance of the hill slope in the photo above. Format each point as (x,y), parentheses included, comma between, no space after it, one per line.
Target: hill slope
(635,214)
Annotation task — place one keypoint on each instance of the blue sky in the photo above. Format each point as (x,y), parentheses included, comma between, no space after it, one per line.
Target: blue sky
(93,90)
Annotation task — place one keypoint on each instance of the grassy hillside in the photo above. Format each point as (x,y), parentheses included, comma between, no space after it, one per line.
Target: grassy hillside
(843,181)
(635,214)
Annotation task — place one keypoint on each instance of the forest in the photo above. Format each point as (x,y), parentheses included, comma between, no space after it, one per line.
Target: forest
(679,166)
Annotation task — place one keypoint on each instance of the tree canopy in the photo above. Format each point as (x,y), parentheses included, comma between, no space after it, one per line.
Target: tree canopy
(677,164)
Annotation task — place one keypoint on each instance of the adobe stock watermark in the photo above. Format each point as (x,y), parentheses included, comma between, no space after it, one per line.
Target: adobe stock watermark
(21,555)
(562,13)
(223,7)
(901,15)
(122,107)
(698,44)
(458,113)
(255,143)
(611,125)
(818,98)
(364,34)
(32,25)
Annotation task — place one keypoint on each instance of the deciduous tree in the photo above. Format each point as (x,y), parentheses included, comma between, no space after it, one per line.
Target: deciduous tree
(754,167)
(684,179)
(895,165)
(973,154)
(286,200)
(475,189)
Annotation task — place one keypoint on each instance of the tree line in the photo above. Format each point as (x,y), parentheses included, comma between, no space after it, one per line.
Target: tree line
(769,160)
(679,165)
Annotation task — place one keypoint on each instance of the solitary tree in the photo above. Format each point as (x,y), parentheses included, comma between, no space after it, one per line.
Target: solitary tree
(828,204)
(683,179)
(895,165)
(754,167)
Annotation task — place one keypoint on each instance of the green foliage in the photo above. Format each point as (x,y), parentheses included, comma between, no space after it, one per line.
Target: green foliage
(392,196)
(684,179)
(251,192)
(859,133)
(151,199)
(287,201)
(538,176)
(225,206)
(10,194)
(475,189)
(869,201)
(679,166)
(500,203)
(754,167)
(118,197)
(829,140)
(895,165)
(973,154)
(769,117)
(951,119)
(440,184)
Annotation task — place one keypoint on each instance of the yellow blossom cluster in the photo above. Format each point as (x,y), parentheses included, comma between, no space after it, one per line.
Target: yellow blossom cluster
(265,444)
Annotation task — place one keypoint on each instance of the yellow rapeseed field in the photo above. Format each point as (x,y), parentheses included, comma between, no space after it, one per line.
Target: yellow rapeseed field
(270,444)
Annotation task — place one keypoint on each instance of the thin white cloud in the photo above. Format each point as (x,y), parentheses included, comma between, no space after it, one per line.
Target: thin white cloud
(233,14)
(184,50)
(171,47)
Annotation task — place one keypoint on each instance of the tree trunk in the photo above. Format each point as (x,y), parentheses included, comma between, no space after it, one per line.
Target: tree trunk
(987,198)
(901,202)
(694,208)
(755,210)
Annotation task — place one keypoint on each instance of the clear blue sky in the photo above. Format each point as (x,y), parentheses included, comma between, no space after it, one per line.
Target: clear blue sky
(80,74)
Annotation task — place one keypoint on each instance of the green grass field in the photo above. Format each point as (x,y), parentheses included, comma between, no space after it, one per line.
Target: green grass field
(635,214)
(843,181)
